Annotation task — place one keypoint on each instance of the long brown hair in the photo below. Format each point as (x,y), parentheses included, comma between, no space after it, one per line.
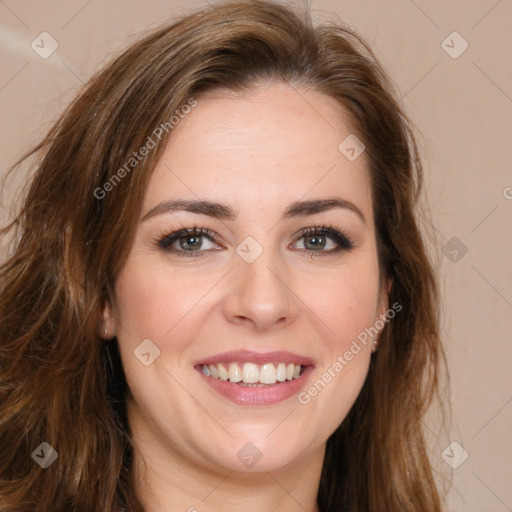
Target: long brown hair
(61,383)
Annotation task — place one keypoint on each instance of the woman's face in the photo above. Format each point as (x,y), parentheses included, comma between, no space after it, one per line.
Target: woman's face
(284,272)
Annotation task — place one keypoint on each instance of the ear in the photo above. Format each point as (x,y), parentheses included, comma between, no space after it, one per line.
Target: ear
(382,309)
(384,296)
(107,322)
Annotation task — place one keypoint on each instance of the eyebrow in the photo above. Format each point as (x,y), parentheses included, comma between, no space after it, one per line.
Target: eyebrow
(222,211)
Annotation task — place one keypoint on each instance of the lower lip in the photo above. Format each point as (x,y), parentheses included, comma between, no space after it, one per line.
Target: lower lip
(257,396)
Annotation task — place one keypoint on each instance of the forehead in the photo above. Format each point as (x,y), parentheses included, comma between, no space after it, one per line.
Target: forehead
(271,144)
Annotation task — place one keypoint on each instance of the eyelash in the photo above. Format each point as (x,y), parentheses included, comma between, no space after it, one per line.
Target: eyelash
(343,242)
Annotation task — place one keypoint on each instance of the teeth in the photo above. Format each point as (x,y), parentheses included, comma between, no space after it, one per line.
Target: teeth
(251,374)
(213,371)
(223,373)
(268,374)
(235,375)
(281,372)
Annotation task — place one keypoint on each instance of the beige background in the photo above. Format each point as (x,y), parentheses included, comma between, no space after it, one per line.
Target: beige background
(463,108)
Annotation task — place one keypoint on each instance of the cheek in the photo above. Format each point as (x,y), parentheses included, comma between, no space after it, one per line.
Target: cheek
(347,303)
(348,307)
(152,301)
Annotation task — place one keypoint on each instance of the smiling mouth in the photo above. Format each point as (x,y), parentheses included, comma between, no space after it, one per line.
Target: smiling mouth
(253,375)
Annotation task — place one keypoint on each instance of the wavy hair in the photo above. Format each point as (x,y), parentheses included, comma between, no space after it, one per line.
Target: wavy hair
(61,383)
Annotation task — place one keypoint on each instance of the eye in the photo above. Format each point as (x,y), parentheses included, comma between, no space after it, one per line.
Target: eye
(324,239)
(194,242)
(186,242)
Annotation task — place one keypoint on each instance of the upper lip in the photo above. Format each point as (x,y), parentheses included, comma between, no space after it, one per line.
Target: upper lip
(248,356)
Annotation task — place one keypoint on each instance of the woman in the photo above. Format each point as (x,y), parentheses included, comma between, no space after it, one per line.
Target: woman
(218,297)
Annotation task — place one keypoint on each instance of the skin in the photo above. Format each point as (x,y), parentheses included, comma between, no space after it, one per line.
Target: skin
(256,152)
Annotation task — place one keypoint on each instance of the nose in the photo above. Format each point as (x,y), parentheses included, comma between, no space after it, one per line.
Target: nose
(261,295)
